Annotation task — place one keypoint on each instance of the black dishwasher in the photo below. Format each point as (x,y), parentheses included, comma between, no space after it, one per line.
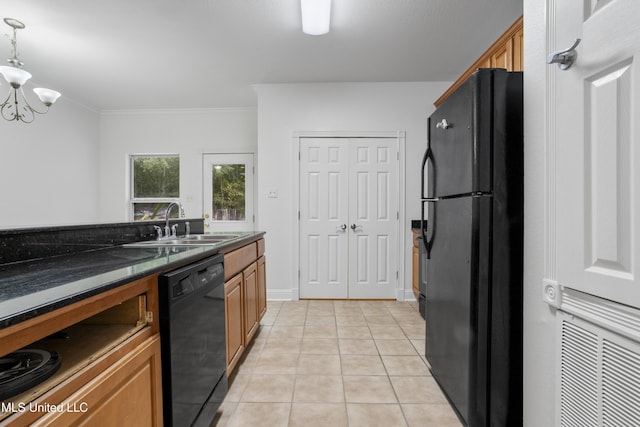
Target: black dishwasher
(192,333)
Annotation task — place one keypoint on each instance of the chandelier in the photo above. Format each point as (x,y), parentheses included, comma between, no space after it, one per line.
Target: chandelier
(16,107)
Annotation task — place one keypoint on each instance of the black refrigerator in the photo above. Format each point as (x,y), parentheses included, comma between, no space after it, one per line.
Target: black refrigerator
(472,195)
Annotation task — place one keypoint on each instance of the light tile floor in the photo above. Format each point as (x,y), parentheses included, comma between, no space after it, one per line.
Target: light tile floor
(336,363)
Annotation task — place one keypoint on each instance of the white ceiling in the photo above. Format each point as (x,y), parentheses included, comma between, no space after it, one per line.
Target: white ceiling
(126,54)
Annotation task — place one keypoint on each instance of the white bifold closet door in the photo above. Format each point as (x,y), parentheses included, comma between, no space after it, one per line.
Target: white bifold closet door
(348,217)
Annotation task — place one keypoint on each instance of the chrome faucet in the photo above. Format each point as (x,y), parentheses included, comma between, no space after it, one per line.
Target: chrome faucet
(158,231)
(168,231)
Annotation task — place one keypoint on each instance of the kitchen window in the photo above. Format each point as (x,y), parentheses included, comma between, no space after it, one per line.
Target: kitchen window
(155,182)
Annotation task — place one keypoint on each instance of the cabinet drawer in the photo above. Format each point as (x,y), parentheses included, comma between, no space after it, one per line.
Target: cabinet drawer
(260,247)
(238,260)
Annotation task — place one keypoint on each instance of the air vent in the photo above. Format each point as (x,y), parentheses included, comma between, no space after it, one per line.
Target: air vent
(599,378)
(620,386)
(579,377)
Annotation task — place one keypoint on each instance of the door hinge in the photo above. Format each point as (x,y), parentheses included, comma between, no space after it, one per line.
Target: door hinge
(298,215)
(149,316)
(397,274)
(397,215)
(299,156)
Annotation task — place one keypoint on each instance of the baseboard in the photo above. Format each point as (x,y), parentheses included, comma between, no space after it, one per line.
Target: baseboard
(292,295)
(282,295)
(409,296)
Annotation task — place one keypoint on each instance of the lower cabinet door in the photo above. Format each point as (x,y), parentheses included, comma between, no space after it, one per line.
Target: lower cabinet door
(262,287)
(250,284)
(415,264)
(128,393)
(234,312)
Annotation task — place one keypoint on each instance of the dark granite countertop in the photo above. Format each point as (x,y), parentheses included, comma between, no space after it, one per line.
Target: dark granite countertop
(34,287)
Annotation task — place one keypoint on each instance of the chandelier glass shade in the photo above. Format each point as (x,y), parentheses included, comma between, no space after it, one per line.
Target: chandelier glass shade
(15,106)
(16,77)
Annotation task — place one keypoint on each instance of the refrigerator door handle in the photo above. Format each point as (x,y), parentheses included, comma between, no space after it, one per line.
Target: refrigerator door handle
(427,243)
(428,157)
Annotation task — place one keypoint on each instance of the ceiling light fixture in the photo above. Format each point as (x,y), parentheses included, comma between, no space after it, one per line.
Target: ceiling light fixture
(316,16)
(11,109)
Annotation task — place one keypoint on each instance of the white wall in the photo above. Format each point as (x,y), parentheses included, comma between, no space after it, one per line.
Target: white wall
(539,334)
(188,133)
(287,108)
(49,168)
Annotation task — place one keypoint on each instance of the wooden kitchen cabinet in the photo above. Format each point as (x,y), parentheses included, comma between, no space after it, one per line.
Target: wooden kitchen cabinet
(238,260)
(506,52)
(262,286)
(518,47)
(234,320)
(245,298)
(250,287)
(502,57)
(110,359)
(125,393)
(415,265)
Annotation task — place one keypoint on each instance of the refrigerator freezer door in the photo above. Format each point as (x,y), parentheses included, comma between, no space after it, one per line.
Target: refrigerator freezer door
(457,301)
(460,140)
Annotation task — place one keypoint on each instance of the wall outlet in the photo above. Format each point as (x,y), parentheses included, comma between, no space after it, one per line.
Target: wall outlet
(272,194)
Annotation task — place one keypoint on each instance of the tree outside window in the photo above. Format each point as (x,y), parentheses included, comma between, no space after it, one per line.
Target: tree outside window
(228,183)
(155,184)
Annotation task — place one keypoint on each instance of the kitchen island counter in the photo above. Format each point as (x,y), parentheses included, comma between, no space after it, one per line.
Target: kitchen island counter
(34,287)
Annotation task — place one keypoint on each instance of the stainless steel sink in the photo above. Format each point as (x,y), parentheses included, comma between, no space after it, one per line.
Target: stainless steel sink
(191,240)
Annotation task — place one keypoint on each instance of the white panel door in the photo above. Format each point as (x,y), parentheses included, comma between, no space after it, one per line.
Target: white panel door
(598,149)
(373,221)
(324,214)
(348,217)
